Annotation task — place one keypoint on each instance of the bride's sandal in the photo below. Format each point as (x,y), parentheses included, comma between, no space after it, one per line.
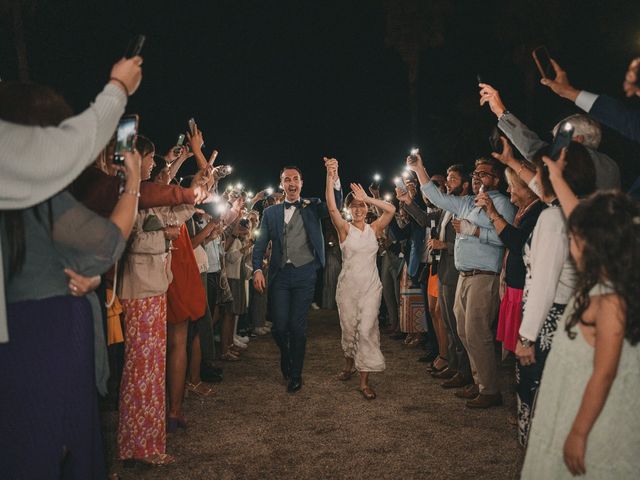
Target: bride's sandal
(346,375)
(368,393)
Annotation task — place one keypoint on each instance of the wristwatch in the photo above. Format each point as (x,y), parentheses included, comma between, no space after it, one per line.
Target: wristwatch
(525,342)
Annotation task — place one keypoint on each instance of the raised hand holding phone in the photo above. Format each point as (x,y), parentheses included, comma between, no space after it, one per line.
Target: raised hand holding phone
(543,62)
(560,85)
(127,74)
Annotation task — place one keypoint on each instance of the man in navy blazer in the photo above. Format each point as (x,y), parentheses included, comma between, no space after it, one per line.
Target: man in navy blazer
(297,251)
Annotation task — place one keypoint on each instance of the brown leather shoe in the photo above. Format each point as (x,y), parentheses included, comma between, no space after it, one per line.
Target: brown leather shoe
(485,401)
(457,381)
(445,374)
(469,392)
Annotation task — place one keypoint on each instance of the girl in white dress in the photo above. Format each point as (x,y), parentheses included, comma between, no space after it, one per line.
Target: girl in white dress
(359,289)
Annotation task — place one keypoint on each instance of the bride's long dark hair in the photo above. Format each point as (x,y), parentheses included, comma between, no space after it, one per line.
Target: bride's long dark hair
(608,223)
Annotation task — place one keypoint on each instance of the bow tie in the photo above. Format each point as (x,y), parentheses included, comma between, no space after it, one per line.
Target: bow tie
(292,204)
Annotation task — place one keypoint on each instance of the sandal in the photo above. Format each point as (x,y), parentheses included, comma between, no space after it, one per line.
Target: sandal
(432,366)
(199,389)
(345,375)
(368,393)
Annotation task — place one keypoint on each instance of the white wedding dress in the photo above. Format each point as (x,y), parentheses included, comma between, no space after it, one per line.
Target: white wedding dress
(358,296)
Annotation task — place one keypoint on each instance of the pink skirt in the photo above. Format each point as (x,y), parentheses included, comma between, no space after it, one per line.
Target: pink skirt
(510,318)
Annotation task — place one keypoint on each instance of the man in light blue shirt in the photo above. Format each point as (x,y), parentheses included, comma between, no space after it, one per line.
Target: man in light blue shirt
(478,253)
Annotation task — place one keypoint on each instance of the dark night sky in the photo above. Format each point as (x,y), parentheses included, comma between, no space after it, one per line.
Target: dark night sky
(275,83)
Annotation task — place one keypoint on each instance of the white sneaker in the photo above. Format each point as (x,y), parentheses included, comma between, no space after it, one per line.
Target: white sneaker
(242,339)
(239,344)
(314,306)
(262,331)
(268,324)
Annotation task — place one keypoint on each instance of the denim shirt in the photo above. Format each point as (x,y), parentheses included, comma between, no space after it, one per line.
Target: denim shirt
(471,252)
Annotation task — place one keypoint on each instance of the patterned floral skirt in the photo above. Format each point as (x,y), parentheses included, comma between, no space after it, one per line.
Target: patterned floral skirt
(142,422)
(411,305)
(528,377)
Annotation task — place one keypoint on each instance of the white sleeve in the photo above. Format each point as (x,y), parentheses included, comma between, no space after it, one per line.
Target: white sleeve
(585,100)
(38,162)
(549,251)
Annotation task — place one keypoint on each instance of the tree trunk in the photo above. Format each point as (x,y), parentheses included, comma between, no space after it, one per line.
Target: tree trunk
(21,46)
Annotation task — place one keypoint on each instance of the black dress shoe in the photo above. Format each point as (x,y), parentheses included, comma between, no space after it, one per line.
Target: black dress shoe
(295,384)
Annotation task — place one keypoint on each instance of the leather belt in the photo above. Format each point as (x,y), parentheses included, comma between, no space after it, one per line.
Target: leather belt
(471,273)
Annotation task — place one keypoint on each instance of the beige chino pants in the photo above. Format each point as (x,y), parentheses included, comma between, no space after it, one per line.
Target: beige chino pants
(476,307)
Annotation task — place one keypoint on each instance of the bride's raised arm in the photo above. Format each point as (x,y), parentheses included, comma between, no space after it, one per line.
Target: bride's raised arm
(341,225)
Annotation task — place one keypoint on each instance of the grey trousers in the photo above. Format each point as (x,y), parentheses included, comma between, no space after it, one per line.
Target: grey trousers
(475,308)
(457,354)
(389,276)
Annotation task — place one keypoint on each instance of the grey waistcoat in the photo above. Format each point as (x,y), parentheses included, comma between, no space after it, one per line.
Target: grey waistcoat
(296,246)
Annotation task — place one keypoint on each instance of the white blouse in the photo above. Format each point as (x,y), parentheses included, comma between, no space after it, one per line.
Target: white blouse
(551,275)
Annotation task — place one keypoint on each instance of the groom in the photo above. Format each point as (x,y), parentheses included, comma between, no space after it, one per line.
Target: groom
(297,252)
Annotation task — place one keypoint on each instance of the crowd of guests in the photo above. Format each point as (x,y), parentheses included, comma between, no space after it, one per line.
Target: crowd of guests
(130,280)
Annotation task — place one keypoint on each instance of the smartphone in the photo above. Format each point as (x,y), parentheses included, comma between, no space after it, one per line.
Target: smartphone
(543,62)
(192,126)
(125,137)
(479,78)
(562,140)
(135,46)
(399,183)
(180,141)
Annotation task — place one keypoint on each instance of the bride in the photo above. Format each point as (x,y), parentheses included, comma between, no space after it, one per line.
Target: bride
(359,289)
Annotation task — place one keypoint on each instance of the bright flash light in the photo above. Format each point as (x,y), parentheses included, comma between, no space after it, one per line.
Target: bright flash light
(348,217)
(377,177)
(387,197)
(269,190)
(396,180)
(406,173)
(239,186)
(229,188)
(567,127)
(415,151)
(256,233)
(249,194)
(221,208)
(215,198)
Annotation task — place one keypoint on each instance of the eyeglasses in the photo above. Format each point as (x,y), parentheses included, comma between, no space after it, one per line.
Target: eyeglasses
(480,174)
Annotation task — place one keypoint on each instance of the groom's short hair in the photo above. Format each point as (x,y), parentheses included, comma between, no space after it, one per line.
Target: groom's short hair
(291,168)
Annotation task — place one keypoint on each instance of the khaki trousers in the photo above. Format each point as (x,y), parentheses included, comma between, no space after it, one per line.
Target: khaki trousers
(475,308)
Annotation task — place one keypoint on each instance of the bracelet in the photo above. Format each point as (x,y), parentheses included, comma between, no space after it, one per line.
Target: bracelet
(493,219)
(135,193)
(522,166)
(124,87)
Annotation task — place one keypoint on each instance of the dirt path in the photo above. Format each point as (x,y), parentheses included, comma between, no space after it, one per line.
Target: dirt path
(253,429)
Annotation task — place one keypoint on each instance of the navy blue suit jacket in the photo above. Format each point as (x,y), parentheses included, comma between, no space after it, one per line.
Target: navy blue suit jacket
(618,116)
(313,210)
